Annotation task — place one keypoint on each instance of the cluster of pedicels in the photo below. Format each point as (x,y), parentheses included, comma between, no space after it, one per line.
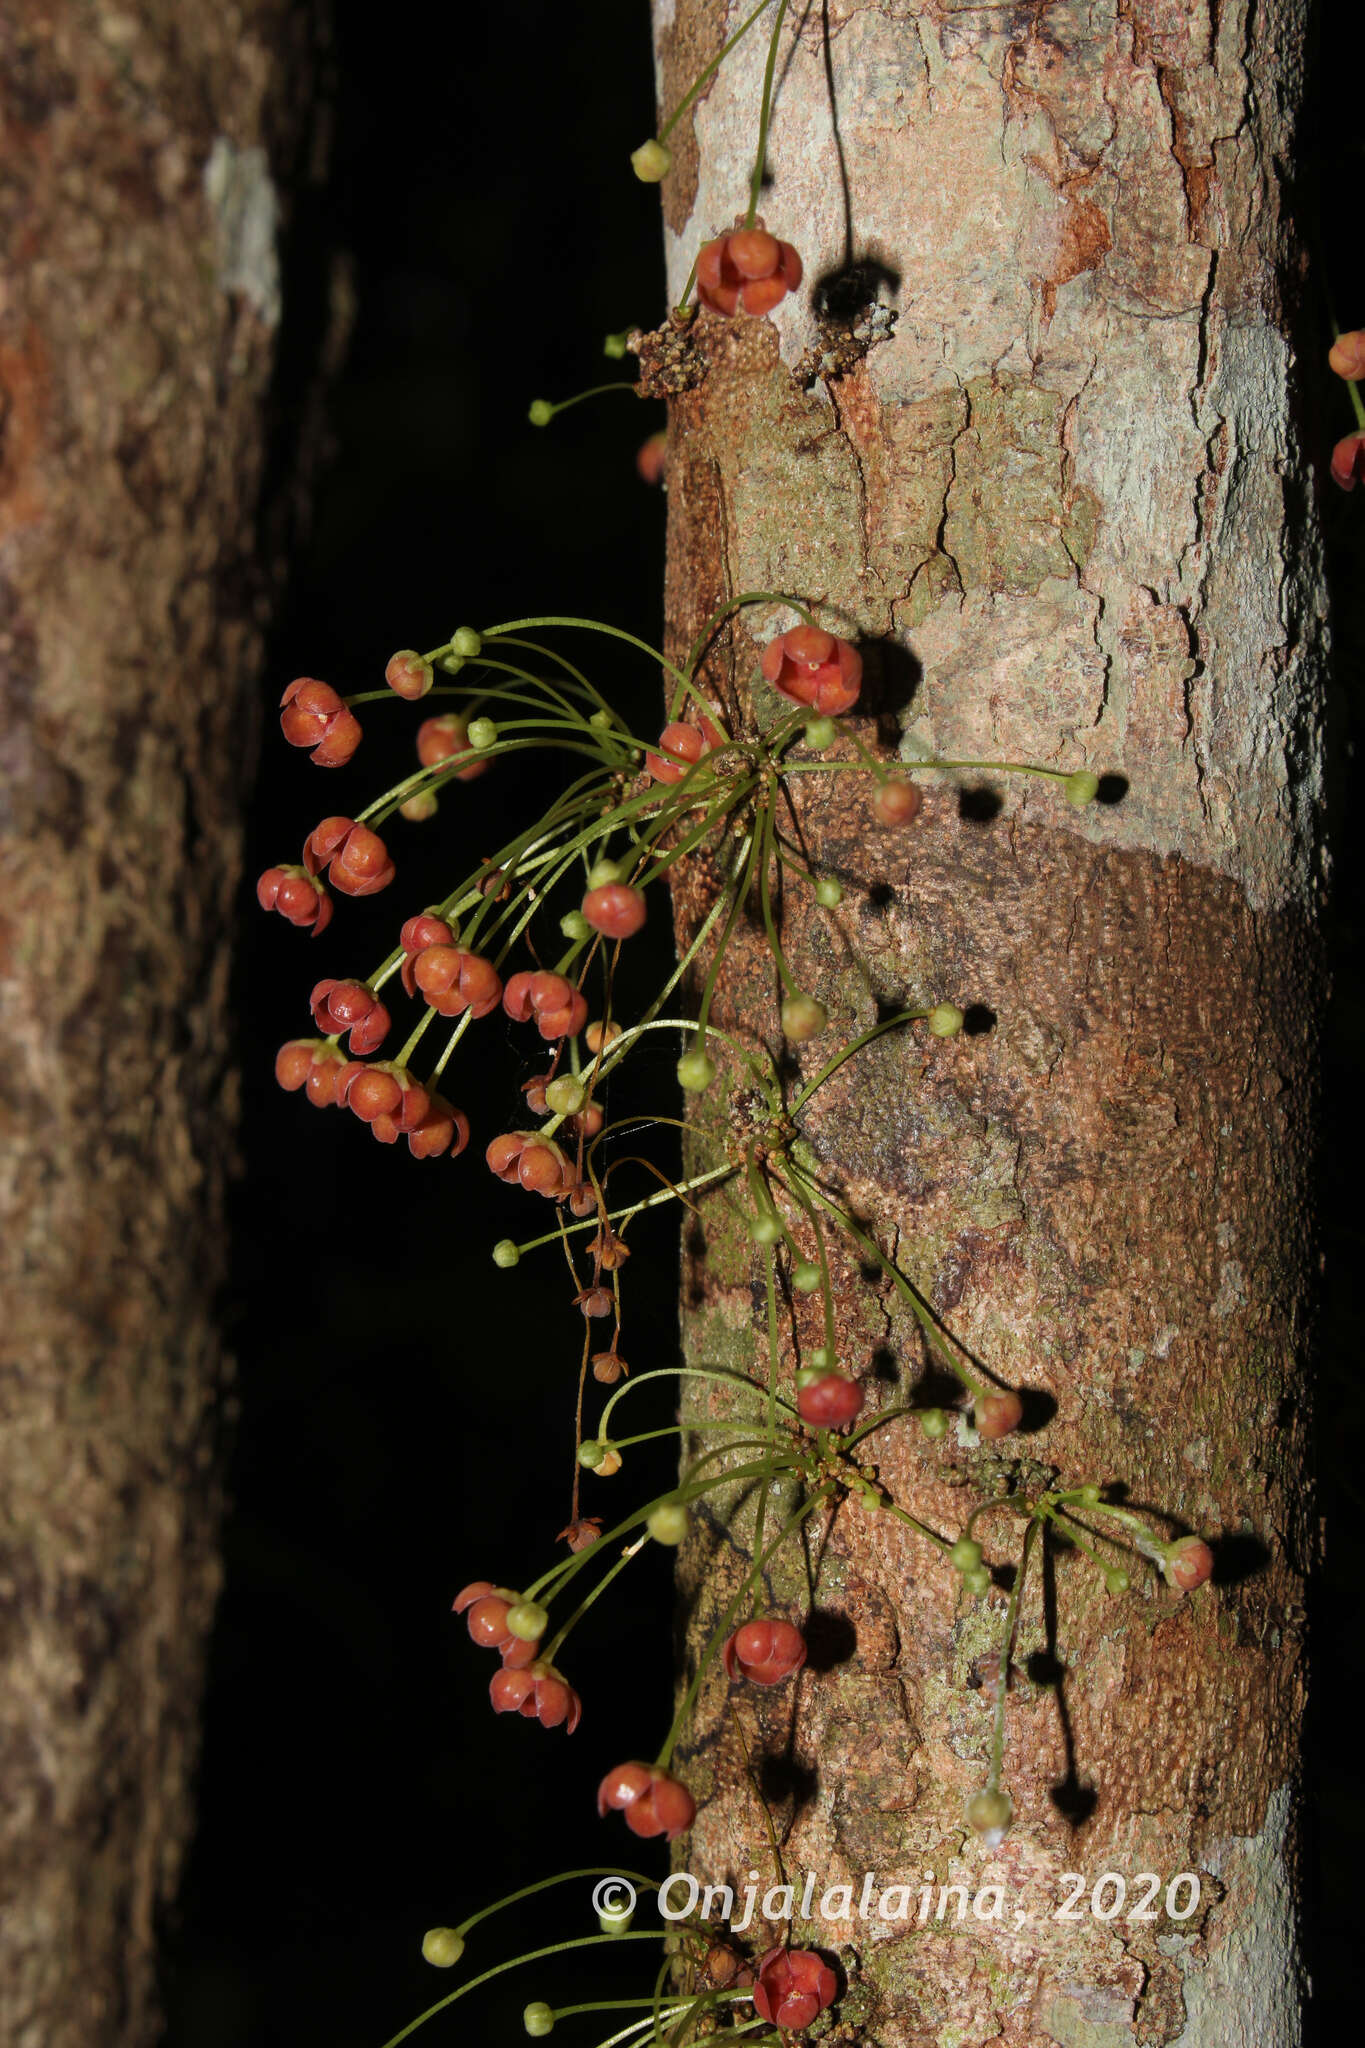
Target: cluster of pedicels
(816,1437)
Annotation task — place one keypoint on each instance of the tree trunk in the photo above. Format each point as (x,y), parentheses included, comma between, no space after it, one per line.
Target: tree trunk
(136,345)
(1065,506)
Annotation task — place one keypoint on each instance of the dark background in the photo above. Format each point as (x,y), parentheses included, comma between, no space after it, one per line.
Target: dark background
(355,1788)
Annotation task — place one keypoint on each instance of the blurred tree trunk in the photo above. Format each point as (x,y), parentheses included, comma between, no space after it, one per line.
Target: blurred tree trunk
(143,157)
(1066,502)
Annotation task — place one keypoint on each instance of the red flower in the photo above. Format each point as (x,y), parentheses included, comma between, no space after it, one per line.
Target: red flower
(896,801)
(313,1065)
(341,1006)
(358,858)
(615,910)
(296,895)
(312,715)
(538,1692)
(765,1651)
(653,1803)
(384,1096)
(486,1608)
(441,739)
(558,1008)
(748,271)
(454,981)
(685,738)
(534,1091)
(997,1414)
(651,458)
(443,1129)
(1188,1563)
(794,1987)
(833,1401)
(417,934)
(409,675)
(533,1162)
(294,1061)
(1348,462)
(816,668)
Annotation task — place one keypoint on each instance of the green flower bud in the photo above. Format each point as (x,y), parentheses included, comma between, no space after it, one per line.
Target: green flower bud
(828,893)
(989,1815)
(805,1277)
(696,1072)
(591,1454)
(528,1621)
(966,1554)
(978,1581)
(823,1359)
(540,412)
(1116,1579)
(945,1020)
(668,1522)
(1081,788)
(505,1253)
(567,1095)
(651,161)
(419,807)
(603,872)
(442,1946)
(574,925)
(615,1921)
(803,1017)
(765,1228)
(602,721)
(615,345)
(934,1422)
(821,733)
(482,732)
(538,2019)
(464,641)
(1087,1496)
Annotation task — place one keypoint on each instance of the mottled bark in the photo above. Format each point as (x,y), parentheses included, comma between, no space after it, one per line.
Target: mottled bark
(139,167)
(1066,510)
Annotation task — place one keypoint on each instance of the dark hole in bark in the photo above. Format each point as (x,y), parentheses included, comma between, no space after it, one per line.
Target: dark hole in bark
(1112,790)
(977,1020)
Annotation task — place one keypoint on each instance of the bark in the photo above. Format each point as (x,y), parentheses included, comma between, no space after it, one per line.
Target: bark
(1065,507)
(140,170)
